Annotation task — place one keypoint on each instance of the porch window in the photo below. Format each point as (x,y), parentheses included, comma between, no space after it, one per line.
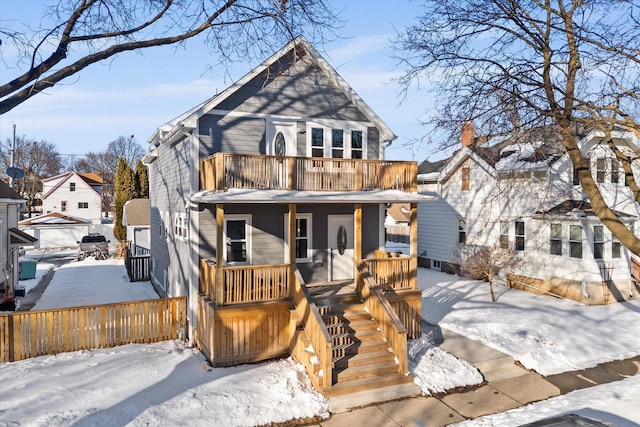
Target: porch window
(555,239)
(337,143)
(575,241)
(462,231)
(504,234)
(356,144)
(72,186)
(317,142)
(237,237)
(303,236)
(519,235)
(598,241)
(63,206)
(615,247)
(466,174)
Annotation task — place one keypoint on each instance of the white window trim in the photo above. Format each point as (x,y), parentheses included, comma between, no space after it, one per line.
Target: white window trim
(247,231)
(180,227)
(309,218)
(327,126)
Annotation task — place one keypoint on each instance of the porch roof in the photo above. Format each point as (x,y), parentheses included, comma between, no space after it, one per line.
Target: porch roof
(294,196)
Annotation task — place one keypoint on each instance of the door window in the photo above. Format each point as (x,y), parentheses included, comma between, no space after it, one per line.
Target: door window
(342,240)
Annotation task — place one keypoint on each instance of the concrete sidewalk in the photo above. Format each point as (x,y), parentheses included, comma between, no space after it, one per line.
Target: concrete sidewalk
(506,386)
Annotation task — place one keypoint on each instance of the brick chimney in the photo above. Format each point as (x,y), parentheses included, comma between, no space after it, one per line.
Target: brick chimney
(468,133)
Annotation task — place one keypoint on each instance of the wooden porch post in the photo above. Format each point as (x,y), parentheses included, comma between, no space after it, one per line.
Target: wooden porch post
(292,242)
(357,238)
(219,278)
(413,244)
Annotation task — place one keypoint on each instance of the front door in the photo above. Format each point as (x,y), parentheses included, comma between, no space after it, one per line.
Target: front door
(340,247)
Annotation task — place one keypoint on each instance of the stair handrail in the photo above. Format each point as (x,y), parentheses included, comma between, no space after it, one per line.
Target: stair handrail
(314,327)
(384,315)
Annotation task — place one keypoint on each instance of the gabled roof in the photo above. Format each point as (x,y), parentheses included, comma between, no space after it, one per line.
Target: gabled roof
(577,208)
(89,179)
(8,193)
(54,218)
(187,121)
(136,212)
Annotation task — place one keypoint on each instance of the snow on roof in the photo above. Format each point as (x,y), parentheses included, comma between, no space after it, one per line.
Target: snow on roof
(522,155)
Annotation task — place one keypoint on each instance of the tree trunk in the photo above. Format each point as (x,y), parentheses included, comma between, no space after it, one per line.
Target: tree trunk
(493,295)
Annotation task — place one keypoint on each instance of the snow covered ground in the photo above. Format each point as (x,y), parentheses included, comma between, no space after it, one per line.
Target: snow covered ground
(168,384)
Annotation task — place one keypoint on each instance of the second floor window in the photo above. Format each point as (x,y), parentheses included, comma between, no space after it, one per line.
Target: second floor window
(72,186)
(466,176)
(600,169)
(615,247)
(356,144)
(340,140)
(63,206)
(317,142)
(83,205)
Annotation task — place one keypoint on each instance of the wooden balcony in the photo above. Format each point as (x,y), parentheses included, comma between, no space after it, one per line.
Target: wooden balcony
(224,171)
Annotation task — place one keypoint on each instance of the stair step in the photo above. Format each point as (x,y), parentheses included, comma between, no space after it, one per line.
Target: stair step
(364,371)
(351,325)
(342,309)
(369,383)
(334,319)
(361,359)
(357,336)
(362,347)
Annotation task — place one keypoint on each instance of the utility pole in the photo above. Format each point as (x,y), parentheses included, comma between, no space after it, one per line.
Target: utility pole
(13,150)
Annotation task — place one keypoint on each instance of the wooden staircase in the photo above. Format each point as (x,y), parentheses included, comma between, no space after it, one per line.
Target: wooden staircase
(365,370)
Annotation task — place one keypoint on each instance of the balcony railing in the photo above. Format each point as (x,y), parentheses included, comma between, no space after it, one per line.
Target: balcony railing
(224,171)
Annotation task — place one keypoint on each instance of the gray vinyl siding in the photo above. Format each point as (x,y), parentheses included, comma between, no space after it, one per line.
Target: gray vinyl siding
(373,144)
(293,89)
(231,135)
(169,179)
(268,223)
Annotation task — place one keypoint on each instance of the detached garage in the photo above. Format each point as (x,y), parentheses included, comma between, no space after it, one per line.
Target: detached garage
(55,230)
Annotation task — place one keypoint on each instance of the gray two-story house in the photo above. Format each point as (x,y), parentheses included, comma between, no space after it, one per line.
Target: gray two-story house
(267,211)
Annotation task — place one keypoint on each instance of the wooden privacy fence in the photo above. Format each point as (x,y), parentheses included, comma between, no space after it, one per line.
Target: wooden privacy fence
(37,333)
(137,266)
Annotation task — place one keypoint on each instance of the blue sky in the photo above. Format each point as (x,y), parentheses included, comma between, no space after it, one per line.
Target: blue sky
(137,92)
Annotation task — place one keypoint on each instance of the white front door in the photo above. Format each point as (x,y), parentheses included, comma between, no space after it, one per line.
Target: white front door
(281,139)
(340,247)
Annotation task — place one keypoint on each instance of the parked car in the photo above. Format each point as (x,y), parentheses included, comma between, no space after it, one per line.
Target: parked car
(93,244)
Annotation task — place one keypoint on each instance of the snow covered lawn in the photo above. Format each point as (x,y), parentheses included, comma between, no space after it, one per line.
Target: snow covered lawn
(168,384)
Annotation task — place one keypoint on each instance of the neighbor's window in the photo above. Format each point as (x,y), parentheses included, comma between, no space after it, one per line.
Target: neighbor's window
(519,235)
(356,144)
(615,247)
(83,205)
(600,169)
(72,186)
(462,231)
(504,234)
(598,241)
(317,142)
(237,238)
(555,239)
(466,172)
(337,143)
(575,241)
(63,206)
(615,171)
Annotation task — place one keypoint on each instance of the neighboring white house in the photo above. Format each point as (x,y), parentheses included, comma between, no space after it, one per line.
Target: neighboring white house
(75,194)
(11,203)
(522,192)
(135,217)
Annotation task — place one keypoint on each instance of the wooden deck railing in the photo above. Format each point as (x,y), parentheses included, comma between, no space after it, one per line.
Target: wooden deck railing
(223,171)
(246,284)
(314,327)
(385,316)
(391,273)
(37,333)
